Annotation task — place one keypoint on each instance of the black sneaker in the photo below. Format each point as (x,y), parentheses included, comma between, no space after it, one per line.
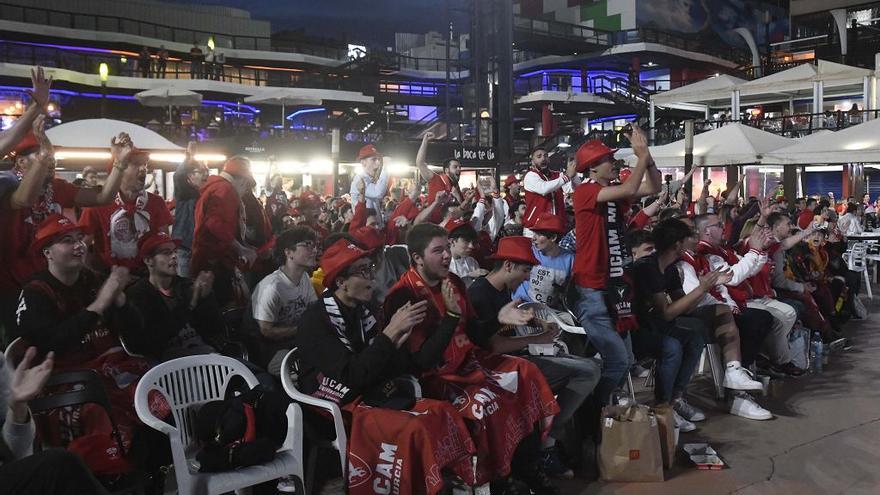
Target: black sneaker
(538,481)
(553,465)
(789,369)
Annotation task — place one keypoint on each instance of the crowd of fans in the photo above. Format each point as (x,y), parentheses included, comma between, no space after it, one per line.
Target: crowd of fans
(406,312)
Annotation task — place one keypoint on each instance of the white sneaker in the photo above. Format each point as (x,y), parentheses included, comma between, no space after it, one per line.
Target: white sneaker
(739,378)
(682,424)
(640,372)
(744,405)
(286,484)
(688,411)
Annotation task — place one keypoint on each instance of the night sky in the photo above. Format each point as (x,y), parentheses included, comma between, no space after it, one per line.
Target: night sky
(335,18)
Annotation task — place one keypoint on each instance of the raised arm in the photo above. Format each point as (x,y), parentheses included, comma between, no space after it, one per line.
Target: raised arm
(32,183)
(629,188)
(421,157)
(39,102)
(120,149)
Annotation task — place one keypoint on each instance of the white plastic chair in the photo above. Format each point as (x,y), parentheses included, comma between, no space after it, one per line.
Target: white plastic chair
(857,261)
(189,382)
(340,443)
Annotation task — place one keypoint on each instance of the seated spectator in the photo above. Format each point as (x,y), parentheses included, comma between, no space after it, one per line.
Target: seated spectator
(737,353)
(850,223)
(465,369)
(48,472)
(671,336)
(282,297)
(572,378)
(117,228)
(462,238)
(549,278)
(180,316)
(67,310)
(738,292)
(348,356)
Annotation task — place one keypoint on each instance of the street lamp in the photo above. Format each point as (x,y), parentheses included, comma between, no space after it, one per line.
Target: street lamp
(103,72)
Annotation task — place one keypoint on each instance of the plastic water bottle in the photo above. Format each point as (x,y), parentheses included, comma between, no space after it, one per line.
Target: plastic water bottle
(816,353)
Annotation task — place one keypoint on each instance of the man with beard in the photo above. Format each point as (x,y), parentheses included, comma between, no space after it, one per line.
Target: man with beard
(40,194)
(375,179)
(118,227)
(600,223)
(502,398)
(545,188)
(280,299)
(180,315)
(444,181)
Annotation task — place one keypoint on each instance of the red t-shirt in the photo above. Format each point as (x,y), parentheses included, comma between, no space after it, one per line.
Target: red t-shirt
(805,218)
(591,252)
(121,248)
(439,182)
(17,260)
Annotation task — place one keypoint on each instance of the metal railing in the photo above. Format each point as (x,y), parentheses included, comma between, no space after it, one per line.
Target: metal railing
(681,41)
(93,22)
(563,30)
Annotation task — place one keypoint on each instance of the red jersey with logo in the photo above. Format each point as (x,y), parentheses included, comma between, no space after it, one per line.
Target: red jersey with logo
(440,182)
(118,228)
(17,261)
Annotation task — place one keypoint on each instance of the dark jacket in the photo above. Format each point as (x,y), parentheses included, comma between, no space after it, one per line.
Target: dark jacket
(185,197)
(163,321)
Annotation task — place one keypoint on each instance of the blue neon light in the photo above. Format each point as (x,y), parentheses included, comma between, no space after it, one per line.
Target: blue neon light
(66,47)
(305,111)
(613,117)
(68,92)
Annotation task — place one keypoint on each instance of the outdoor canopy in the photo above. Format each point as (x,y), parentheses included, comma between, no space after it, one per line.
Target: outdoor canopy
(96,134)
(169,96)
(732,144)
(859,143)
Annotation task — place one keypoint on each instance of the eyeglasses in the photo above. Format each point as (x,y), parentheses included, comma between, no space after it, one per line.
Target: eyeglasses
(366,272)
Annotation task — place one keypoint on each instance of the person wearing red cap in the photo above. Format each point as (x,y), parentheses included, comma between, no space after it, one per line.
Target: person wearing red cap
(462,239)
(553,271)
(349,356)
(465,371)
(375,179)
(545,188)
(117,227)
(600,225)
(180,315)
(280,299)
(43,195)
(571,378)
(444,181)
(219,244)
(68,310)
(512,197)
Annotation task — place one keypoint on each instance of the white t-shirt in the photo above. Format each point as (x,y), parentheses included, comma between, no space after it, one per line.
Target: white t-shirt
(463,266)
(278,300)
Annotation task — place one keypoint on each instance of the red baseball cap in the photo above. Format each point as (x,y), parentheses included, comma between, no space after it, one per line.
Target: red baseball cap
(591,154)
(369,237)
(28,144)
(238,167)
(510,180)
(153,240)
(368,151)
(52,227)
(549,222)
(515,248)
(455,223)
(337,258)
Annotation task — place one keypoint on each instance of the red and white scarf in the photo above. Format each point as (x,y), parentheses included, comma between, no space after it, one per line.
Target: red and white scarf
(128,223)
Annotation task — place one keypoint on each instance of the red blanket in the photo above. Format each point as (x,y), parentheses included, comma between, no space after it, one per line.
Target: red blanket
(403,452)
(503,397)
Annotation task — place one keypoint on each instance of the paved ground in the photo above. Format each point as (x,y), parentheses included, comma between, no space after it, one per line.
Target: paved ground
(825,438)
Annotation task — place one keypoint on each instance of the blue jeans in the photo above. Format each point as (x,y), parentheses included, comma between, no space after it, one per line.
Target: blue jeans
(680,350)
(594,318)
(184,258)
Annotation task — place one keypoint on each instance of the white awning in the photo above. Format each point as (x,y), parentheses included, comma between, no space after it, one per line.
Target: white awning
(859,143)
(97,133)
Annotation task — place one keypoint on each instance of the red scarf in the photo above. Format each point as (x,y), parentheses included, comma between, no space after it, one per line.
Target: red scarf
(739,293)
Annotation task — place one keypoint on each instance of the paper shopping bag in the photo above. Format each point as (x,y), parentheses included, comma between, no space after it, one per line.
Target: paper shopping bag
(666,431)
(630,448)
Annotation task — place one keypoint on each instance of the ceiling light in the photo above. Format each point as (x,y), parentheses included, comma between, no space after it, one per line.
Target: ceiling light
(528,128)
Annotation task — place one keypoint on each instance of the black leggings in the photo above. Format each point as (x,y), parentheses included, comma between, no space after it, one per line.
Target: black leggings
(50,472)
